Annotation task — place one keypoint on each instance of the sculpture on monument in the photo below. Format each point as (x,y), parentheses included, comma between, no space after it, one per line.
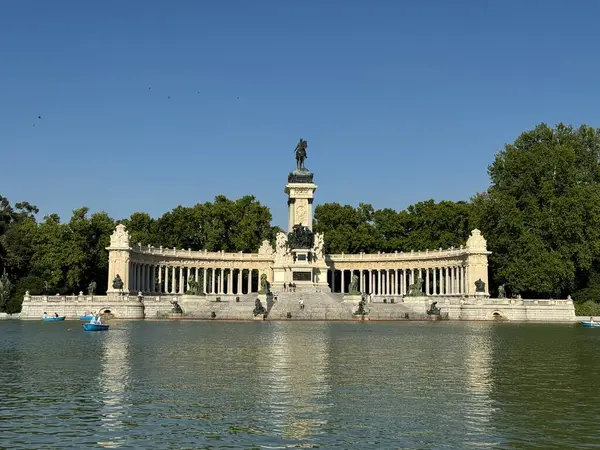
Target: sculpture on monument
(301,154)
(176,308)
(433,310)
(120,237)
(194,288)
(501,291)
(479,286)
(354,285)
(281,245)
(265,249)
(301,237)
(318,247)
(415,289)
(117,283)
(361,307)
(264,285)
(258,308)
(92,288)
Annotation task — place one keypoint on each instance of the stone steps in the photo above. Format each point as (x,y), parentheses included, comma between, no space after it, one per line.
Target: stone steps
(317,306)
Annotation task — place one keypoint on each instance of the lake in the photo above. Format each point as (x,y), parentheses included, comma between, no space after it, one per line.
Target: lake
(420,385)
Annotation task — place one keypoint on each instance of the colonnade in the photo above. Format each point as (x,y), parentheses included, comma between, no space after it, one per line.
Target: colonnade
(450,280)
(166,279)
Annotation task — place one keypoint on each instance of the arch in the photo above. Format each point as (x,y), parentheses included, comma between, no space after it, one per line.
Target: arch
(497,314)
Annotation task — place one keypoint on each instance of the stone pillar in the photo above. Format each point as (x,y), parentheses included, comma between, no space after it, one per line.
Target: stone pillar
(152,278)
(249,281)
(333,279)
(343,282)
(427,282)
(166,290)
(477,262)
(160,288)
(204,280)
(378,289)
(361,284)
(221,282)
(387,282)
(173,281)
(300,196)
(119,257)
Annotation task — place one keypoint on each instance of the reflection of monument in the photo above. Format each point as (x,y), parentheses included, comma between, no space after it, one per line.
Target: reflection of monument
(297,380)
(114,384)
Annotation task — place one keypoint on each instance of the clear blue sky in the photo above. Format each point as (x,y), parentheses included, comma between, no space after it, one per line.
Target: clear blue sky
(400,101)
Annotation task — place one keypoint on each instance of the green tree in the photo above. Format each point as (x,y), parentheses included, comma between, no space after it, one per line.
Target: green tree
(6,288)
(540,212)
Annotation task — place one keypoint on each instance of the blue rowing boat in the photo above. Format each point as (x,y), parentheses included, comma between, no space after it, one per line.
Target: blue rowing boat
(590,324)
(86,318)
(53,319)
(94,327)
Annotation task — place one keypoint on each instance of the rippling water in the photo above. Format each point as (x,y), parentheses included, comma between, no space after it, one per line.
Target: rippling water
(309,385)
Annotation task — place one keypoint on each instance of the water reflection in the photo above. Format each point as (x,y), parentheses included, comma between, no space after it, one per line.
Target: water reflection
(478,358)
(296,381)
(114,381)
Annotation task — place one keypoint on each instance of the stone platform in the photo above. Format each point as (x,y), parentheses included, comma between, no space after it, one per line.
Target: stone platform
(317,306)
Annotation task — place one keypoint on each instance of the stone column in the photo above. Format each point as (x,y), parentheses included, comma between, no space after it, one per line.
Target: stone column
(386,290)
(445,281)
(204,280)
(152,278)
(166,290)
(333,280)
(249,281)
(378,289)
(427,282)
(361,283)
(159,287)
(221,281)
(343,284)
(230,282)
(138,277)
(173,280)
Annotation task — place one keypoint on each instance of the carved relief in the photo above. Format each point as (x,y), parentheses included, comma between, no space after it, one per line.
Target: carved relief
(281,249)
(120,237)
(318,246)
(476,241)
(301,214)
(266,250)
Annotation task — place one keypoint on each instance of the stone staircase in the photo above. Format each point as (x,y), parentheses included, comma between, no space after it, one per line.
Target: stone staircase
(317,306)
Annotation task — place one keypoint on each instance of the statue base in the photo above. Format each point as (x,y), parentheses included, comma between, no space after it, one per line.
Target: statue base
(175,316)
(352,298)
(266,300)
(260,317)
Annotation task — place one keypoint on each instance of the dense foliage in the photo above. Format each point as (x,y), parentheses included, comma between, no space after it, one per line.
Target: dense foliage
(53,257)
(539,216)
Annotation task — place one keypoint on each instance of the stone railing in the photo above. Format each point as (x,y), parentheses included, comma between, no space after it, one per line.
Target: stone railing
(401,256)
(198,254)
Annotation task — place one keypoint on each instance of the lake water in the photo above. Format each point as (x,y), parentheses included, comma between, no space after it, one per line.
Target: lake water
(420,385)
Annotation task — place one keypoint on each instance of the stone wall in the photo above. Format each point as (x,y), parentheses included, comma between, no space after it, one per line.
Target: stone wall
(227,308)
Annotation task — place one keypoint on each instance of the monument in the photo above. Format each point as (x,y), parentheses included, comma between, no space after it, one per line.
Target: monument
(299,255)
(294,274)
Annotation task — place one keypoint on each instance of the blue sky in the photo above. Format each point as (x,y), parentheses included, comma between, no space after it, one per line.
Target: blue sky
(400,101)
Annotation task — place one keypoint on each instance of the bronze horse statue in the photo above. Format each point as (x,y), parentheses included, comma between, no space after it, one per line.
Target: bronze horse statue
(301,153)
